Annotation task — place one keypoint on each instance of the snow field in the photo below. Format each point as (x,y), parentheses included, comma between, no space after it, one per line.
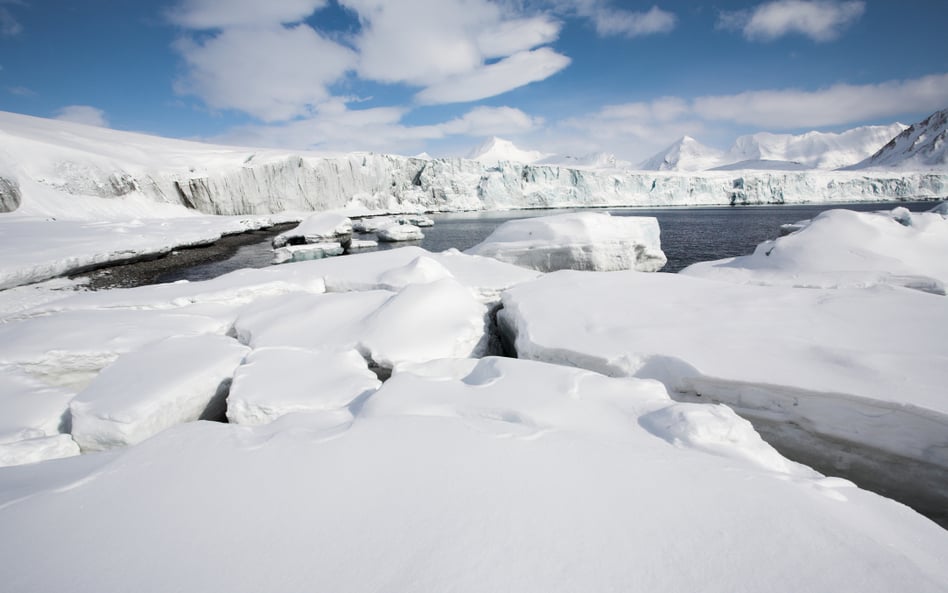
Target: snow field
(471,475)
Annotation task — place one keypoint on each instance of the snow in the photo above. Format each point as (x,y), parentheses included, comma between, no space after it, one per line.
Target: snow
(923,145)
(323,227)
(842,248)
(30,408)
(37,449)
(395,231)
(497,150)
(274,382)
(468,476)
(579,241)
(180,379)
(307,251)
(686,154)
(861,368)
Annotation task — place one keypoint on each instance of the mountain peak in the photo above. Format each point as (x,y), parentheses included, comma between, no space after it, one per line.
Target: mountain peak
(923,145)
(495,150)
(685,154)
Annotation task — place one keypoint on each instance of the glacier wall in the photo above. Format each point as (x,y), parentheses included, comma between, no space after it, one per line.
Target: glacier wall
(386,183)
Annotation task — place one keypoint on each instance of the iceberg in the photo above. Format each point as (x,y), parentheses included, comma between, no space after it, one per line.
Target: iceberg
(323,227)
(307,251)
(396,231)
(577,241)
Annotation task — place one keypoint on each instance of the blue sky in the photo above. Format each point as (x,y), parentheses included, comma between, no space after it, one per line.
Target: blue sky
(405,76)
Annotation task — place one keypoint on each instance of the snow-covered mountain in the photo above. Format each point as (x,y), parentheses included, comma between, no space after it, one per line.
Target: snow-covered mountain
(686,154)
(922,146)
(595,161)
(496,150)
(814,150)
(56,169)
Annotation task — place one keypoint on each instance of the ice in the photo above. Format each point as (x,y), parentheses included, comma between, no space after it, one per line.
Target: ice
(276,381)
(841,248)
(396,231)
(440,319)
(362,244)
(323,227)
(863,369)
(180,379)
(421,270)
(37,449)
(29,408)
(470,477)
(70,347)
(305,252)
(579,241)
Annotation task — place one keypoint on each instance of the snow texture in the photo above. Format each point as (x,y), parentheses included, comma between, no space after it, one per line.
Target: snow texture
(577,241)
(176,380)
(395,231)
(464,476)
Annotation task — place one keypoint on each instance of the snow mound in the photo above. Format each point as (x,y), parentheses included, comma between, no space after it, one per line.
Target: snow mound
(579,241)
(466,478)
(37,449)
(923,145)
(274,382)
(840,248)
(177,380)
(30,408)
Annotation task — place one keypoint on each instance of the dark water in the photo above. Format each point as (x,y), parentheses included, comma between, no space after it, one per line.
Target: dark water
(689,235)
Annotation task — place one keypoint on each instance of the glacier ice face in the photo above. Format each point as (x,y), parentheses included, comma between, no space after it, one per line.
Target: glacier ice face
(578,241)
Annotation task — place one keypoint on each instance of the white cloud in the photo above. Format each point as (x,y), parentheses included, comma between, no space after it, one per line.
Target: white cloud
(9,25)
(836,105)
(610,21)
(820,20)
(214,14)
(274,74)
(83,114)
(335,127)
(494,79)
(439,44)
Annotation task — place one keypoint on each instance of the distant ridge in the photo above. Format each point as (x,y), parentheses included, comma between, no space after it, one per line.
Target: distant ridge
(923,145)
(686,154)
(496,150)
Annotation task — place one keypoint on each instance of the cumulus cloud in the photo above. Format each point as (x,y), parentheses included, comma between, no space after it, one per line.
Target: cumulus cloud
(273,74)
(494,79)
(820,20)
(438,44)
(214,14)
(83,114)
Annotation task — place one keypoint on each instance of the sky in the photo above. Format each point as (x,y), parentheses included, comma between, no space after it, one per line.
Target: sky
(405,76)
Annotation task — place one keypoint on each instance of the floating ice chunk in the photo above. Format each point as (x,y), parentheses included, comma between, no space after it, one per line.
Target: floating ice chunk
(842,248)
(321,227)
(440,319)
(578,241)
(355,244)
(371,224)
(418,220)
(305,252)
(176,380)
(29,408)
(395,232)
(37,449)
(277,381)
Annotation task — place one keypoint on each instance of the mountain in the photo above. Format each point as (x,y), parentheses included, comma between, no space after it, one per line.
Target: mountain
(922,146)
(812,150)
(686,154)
(596,161)
(496,150)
